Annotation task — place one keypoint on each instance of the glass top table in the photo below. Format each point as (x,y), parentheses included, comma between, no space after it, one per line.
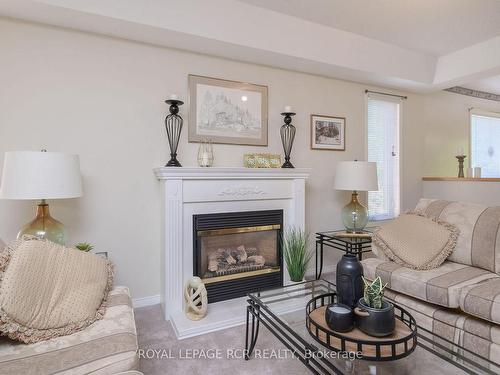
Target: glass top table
(283,312)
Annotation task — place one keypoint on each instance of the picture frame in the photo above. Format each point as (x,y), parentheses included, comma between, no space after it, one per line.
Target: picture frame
(328,133)
(227,112)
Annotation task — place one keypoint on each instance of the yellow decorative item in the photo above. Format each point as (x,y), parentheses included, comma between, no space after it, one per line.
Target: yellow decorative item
(262,160)
(195,296)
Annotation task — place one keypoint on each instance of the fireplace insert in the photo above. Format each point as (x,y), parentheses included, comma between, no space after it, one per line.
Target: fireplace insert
(236,253)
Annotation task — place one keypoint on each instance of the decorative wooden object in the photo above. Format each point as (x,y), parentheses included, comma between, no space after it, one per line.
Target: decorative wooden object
(195,296)
(398,345)
(262,160)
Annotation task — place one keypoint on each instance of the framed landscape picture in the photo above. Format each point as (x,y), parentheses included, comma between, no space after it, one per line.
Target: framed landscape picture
(227,111)
(327,133)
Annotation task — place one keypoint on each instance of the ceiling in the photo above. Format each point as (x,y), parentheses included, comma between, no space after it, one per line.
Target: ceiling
(410,45)
(434,27)
(491,85)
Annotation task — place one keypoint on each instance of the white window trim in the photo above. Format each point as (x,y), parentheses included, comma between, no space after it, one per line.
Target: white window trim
(401,131)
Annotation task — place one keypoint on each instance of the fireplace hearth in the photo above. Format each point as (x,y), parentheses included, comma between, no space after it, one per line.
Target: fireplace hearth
(237,253)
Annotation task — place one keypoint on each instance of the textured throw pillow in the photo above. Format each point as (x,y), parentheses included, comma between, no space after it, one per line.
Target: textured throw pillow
(416,241)
(48,290)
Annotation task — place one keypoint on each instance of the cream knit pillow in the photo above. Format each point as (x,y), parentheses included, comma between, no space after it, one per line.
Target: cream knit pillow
(48,290)
(416,241)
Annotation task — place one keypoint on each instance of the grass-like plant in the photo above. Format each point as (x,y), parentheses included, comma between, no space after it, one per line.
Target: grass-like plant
(84,246)
(296,253)
(374,291)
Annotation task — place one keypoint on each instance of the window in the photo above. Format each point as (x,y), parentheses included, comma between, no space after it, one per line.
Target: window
(485,143)
(383,118)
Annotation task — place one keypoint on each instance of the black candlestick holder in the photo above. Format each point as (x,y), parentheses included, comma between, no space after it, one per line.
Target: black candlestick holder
(287,133)
(173,125)
(461,159)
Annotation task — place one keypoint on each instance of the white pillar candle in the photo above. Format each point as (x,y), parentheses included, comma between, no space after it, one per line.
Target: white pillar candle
(288,108)
(477,172)
(460,151)
(174,97)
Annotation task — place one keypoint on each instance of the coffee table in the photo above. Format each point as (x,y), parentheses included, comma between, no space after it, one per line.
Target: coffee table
(283,312)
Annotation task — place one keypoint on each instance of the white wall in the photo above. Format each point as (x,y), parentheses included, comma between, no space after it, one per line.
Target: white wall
(102,98)
(447,127)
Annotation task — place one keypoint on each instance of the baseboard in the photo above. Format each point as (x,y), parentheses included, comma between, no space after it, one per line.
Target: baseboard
(146,301)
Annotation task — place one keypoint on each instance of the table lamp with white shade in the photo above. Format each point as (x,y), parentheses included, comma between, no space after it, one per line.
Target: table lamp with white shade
(41,175)
(355,176)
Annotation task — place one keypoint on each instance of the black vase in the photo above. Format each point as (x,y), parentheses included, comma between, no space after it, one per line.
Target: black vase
(349,281)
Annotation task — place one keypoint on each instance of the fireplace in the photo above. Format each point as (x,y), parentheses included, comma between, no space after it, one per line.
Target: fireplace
(237,253)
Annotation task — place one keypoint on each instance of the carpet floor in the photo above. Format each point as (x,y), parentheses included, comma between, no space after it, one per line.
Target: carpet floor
(171,356)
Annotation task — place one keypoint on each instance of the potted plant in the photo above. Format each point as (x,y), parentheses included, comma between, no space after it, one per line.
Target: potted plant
(84,246)
(375,315)
(296,253)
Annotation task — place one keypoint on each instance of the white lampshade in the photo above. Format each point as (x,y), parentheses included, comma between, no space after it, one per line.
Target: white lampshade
(40,175)
(356,175)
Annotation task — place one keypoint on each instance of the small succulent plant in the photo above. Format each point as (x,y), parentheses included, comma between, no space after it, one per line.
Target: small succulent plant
(84,246)
(374,291)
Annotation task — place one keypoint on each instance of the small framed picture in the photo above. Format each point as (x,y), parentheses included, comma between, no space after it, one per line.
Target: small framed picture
(327,133)
(227,111)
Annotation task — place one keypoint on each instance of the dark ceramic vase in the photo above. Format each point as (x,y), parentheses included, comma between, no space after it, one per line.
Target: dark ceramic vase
(375,322)
(339,317)
(349,281)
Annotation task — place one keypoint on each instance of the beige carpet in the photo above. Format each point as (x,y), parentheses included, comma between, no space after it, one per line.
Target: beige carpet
(157,334)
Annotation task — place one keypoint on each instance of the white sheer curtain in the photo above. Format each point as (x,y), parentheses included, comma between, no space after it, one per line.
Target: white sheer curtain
(383,122)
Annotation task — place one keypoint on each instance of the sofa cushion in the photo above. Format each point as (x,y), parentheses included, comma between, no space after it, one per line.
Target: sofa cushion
(478,243)
(48,290)
(441,285)
(106,347)
(416,241)
(482,300)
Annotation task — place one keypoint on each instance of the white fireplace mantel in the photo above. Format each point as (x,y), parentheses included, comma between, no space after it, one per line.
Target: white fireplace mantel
(190,191)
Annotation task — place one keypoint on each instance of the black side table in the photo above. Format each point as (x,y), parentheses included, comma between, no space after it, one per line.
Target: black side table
(340,240)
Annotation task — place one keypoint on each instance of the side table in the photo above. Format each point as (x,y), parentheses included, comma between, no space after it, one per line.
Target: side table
(350,243)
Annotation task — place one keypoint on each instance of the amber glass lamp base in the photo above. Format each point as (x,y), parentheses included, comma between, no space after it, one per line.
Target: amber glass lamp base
(354,215)
(45,226)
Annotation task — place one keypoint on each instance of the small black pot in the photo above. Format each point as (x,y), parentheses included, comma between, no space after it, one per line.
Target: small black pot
(375,322)
(339,317)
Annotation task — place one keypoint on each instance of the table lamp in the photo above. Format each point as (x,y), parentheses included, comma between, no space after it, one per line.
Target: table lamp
(355,176)
(40,176)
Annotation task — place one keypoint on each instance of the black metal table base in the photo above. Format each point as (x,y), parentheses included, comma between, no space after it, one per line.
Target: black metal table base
(301,350)
(329,239)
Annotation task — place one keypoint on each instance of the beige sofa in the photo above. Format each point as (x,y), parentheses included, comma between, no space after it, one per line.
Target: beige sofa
(460,300)
(109,346)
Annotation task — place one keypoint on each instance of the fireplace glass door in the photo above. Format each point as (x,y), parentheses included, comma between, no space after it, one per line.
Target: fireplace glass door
(238,252)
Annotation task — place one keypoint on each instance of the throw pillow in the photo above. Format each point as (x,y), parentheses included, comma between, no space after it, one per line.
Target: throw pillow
(48,290)
(416,241)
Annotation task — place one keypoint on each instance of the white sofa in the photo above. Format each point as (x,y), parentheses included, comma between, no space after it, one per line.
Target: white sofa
(460,300)
(109,346)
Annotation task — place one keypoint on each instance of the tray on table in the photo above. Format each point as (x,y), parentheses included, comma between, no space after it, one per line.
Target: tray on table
(398,345)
